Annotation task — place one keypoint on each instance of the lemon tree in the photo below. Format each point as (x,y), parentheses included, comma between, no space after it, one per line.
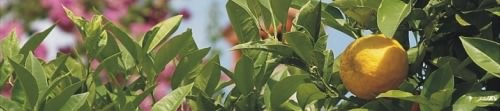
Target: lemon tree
(453,65)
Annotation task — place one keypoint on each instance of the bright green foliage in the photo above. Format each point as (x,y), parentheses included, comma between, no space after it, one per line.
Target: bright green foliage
(454,64)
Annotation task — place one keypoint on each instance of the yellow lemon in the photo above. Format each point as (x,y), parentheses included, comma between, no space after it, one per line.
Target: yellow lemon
(373,64)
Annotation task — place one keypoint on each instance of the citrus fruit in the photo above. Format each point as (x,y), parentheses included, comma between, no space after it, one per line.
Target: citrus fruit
(373,64)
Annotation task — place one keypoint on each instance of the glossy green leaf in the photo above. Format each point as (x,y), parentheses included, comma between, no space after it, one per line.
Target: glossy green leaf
(30,88)
(77,20)
(484,53)
(440,99)
(495,11)
(310,18)
(173,100)
(390,14)
(244,25)
(56,103)
(441,78)
(398,94)
(470,101)
(307,93)
(8,105)
(171,49)
(243,75)
(334,18)
(166,28)
(285,88)
(186,66)
(75,102)
(272,46)
(35,40)
(301,45)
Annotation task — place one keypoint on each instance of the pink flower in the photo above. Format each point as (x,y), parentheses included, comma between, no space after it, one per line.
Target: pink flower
(186,14)
(57,14)
(139,28)
(9,26)
(41,52)
(116,9)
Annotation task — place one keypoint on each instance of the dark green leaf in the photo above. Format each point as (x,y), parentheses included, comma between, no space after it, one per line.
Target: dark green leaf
(307,93)
(166,28)
(310,18)
(243,75)
(26,80)
(173,100)
(56,103)
(244,25)
(390,14)
(280,9)
(209,77)
(282,90)
(441,78)
(35,40)
(132,47)
(301,45)
(272,46)
(484,53)
(187,66)
(171,49)
(75,102)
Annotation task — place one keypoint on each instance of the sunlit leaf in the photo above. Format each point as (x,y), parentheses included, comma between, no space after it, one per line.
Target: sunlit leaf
(484,53)
(166,28)
(472,100)
(56,103)
(26,80)
(173,100)
(282,90)
(242,22)
(390,14)
(307,93)
(301,45)
(75,102)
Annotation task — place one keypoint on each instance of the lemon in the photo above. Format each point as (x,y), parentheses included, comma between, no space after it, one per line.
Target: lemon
(373,64)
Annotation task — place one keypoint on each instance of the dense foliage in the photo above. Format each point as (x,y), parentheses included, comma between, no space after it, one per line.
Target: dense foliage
(455,64)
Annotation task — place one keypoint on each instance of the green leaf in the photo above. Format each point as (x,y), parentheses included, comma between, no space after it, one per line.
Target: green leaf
(132,47)
(282,90)
(50,89)
(334,18)
(398,94)
(484,53)
(33,65)
(8,105)
(267,45)
(35,40)
(440,99)
(26,80)
(495,11)
(55,103)
(470,101)
(75,102)
(209,77)
(173,100)
(390,14)
(441,78)
(166,28)
(79,21)
(243,75)
(307,93)
(301,45)
(10,46)
(244,25)
(187,66)
(280,9)
(310,18)
(171,49)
